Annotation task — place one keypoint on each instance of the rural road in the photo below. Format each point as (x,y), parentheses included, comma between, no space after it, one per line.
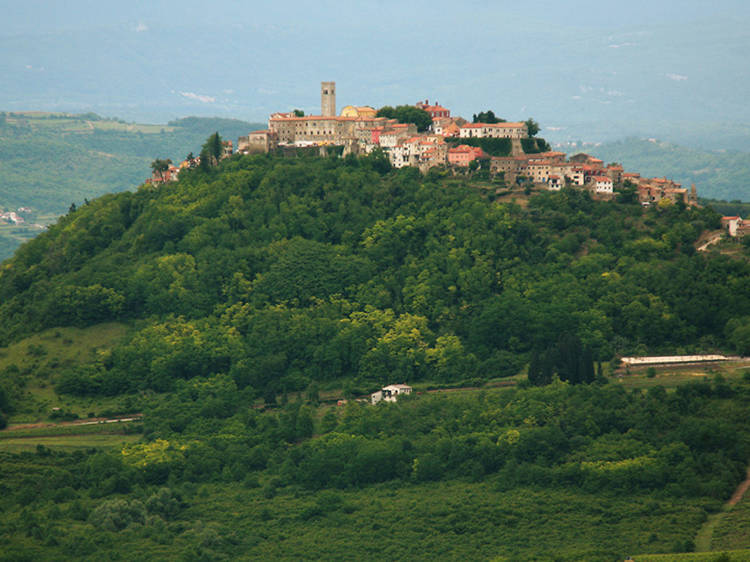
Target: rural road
(89,421)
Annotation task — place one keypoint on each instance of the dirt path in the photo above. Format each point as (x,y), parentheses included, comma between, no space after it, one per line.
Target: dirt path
(89,421)
(712,239)
(740,491)
(706,532)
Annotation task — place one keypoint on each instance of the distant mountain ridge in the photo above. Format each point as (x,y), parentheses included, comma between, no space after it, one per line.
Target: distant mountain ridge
(50,160)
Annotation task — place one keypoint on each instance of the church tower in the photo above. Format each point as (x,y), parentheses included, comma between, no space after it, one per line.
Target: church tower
(328,99)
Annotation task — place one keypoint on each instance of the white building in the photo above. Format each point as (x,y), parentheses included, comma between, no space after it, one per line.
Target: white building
(731,224)
(601,184)
(494,130)
(390,393)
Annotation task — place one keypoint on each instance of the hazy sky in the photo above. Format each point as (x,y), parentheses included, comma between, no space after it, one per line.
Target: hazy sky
(583,69)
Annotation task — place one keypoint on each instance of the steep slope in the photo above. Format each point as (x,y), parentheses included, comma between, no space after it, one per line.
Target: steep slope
(285,271)
(241,293)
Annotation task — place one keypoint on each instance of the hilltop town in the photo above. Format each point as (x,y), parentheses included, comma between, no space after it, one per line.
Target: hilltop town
(508,151)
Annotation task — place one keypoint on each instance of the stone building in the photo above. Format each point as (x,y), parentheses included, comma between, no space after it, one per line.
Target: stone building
(258,141)
(327,128)
(328,99)
(358,111)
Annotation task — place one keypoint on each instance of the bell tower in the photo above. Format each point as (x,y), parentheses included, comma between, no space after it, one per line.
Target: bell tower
(328,99)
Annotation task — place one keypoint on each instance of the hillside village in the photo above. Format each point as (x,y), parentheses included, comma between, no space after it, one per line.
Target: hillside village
(449,142)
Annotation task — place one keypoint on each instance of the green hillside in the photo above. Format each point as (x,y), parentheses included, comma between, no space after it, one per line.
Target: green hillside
(236,307)
(717,175)
(48,161)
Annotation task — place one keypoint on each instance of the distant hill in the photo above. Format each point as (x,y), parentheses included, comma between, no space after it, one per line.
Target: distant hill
(717,175)
(50,160)
(728,207)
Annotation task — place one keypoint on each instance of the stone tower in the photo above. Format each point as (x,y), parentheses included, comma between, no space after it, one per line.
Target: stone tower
(328,99)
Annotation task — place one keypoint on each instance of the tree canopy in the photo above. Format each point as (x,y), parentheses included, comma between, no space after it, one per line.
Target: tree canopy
(161,166)
(407,114)
(211,151)
(486,117)
(280,272)
(532,126)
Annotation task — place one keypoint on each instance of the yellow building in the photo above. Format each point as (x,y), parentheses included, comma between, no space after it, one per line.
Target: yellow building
(361,111)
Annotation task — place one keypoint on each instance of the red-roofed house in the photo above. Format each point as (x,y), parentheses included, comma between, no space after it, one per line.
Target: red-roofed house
(555,182)
(615,172)
(731,225)
(436,111)
(462,154)
(632,177)
(601,184)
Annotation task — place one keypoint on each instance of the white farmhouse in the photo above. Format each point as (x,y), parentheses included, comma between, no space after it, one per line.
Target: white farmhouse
(390,393)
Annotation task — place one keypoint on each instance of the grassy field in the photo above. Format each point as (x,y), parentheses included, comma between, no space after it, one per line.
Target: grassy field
(716,556)
(33,365)
(733,529)
(66,122)
(69,429)
(67,442)
(671,376)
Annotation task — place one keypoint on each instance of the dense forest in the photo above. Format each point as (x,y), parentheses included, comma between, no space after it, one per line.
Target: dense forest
(248,287)
(280,272)
(557,473)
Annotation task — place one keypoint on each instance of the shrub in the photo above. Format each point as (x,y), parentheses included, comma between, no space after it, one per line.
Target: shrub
(118,514)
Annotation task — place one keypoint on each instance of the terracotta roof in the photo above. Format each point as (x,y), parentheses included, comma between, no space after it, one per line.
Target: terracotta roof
(497,125)
(601,178)
(461,148)
(293,117)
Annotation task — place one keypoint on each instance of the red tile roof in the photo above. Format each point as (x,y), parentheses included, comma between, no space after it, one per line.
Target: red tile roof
(497,125)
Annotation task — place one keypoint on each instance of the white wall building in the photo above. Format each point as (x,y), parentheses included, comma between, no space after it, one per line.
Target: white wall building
(494,130)
(601,184)
(390,393)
